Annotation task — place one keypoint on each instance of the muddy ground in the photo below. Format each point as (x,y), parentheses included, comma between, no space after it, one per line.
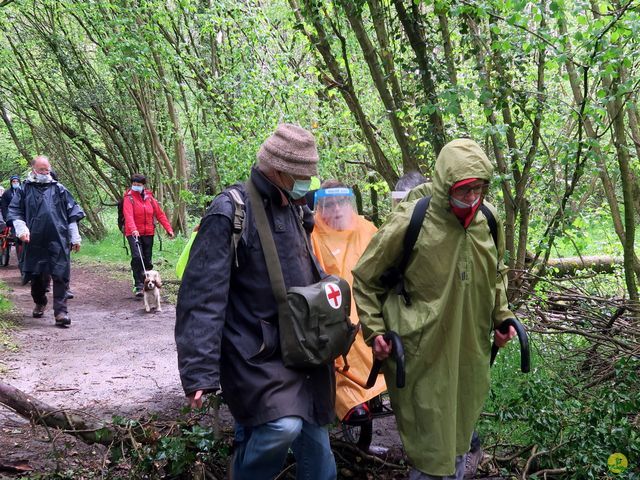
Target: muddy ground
(115,359)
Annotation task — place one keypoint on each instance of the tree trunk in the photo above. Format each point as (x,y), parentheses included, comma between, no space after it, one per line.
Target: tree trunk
(321,42)
(616,113)
(449,60)
(179,220)
(16,141)
(409,162)
(419,45)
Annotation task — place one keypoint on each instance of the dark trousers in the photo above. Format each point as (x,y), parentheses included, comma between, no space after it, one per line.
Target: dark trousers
(39,286)
(475,442)
(146,248)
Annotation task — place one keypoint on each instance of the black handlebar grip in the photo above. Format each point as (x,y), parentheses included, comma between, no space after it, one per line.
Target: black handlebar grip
(525,360)
(397,351)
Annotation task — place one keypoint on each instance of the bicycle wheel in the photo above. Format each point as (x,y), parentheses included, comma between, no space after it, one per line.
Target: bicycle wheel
(359,435)
(6,251)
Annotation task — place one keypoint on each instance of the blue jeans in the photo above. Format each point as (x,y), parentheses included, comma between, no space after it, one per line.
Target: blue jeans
(260,452)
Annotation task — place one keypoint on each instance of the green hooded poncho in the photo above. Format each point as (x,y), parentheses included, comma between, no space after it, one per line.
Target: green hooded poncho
(458,292)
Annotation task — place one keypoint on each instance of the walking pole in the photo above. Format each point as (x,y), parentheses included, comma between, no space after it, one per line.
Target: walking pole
(525,362)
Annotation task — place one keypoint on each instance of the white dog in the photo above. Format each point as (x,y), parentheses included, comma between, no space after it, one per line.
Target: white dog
(152,285)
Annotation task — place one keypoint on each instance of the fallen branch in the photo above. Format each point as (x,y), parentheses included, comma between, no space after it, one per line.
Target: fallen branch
(42,414)
(338,445)
(569,265)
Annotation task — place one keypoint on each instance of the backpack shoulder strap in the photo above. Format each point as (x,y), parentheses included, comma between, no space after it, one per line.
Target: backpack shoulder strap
(411,236)
(393,278)
(491,220)
(238,219)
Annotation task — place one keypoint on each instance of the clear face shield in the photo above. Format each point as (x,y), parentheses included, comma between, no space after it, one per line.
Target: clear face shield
(337,207)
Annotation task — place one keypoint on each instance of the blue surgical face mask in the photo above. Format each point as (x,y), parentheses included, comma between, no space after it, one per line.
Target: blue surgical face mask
(460,204)
(137,188)
(300,188)
(15,185)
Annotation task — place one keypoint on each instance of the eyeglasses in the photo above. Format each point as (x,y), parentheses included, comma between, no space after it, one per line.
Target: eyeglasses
(465,190)
(42,171)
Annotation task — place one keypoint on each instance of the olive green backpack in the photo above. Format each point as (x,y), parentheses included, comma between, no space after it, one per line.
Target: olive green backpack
(313,320)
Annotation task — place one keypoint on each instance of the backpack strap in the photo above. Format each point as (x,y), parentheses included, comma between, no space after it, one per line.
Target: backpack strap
(393,278)
(238,220)
(410,239)
(274,268)
(491,220)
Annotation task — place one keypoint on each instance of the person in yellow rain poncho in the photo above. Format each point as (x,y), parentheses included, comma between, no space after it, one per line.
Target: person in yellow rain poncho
(457,283)
(339,237)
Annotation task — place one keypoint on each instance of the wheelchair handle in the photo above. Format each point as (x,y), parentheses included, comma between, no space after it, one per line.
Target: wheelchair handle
(397,350)
(525,361)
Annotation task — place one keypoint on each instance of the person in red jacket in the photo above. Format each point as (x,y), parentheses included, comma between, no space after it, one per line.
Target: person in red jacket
(141,210)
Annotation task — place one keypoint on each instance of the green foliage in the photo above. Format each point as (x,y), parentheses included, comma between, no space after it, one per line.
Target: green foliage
(578,426)
(175,454)
(540,85)
(111,249)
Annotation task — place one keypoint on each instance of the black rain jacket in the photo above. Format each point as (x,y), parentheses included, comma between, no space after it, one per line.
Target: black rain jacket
(227,317)
(5,201)
(47,209)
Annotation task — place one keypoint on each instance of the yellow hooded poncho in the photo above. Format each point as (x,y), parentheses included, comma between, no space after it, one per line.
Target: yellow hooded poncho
(458,291)
(338,251)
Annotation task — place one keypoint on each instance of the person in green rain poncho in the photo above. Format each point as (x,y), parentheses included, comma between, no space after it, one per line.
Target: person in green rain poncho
(457,283)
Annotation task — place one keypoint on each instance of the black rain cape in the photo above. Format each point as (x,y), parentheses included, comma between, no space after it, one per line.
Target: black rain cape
(47,209)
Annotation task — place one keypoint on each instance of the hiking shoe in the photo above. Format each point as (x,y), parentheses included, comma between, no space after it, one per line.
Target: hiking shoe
(138,292)
(62,320)
(471,461)
(357,415)
(69,294)
(38,310)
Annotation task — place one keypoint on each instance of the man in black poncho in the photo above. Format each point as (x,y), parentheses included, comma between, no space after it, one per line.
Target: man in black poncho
(45,217)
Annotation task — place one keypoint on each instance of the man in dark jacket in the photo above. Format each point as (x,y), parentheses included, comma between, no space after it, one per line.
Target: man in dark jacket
(7,195)
(45,217)
(227,320)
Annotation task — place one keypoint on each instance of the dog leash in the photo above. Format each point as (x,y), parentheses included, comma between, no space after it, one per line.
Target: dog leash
(144,269)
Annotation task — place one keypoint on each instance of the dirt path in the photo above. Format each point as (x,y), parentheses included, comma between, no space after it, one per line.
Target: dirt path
(114,358)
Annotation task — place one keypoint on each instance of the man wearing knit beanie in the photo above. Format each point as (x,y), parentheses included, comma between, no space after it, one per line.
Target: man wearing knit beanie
(227,318)
(290,149)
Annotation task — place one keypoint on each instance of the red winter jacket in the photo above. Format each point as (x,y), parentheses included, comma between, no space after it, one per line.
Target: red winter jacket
(139,213)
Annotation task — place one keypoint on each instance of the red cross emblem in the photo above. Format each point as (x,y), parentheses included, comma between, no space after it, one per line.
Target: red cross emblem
(334,296)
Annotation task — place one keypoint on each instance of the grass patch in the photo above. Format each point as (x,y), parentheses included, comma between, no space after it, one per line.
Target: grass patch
(111,251)
(7,324)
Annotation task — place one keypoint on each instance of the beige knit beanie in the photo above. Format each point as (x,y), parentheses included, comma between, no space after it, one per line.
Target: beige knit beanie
(290,149)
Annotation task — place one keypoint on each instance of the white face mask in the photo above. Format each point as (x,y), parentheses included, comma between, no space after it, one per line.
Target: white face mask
(42,177)
(137,188)
(460,204)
